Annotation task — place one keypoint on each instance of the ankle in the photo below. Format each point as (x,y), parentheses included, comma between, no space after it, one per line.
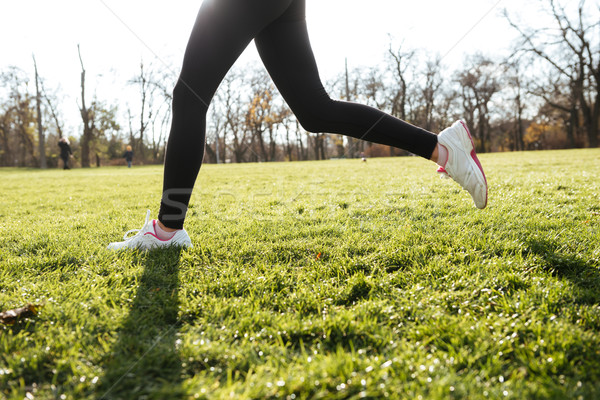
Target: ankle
(164,228)
(162,232)
(441,153)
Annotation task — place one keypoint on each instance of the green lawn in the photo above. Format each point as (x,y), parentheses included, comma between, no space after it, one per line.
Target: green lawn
(335,279)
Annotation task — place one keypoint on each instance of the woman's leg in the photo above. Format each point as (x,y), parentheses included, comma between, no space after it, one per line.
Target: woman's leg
(221,32)
(285,50)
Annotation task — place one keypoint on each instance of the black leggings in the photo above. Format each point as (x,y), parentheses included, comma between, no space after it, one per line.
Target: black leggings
(223,29)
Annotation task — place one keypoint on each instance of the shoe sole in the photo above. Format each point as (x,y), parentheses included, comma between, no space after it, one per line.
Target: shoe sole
(475,159)
(151,247)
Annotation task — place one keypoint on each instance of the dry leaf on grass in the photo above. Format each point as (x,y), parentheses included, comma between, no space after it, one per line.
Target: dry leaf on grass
(11,316)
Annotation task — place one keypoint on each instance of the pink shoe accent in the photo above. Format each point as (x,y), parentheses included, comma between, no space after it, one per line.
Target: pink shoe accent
(155,235)
(443,173)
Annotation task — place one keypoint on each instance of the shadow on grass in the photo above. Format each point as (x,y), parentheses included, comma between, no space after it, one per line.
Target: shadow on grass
(569,266)
(144,362)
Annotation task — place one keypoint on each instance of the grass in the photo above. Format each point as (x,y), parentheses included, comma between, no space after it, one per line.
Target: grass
(337,280)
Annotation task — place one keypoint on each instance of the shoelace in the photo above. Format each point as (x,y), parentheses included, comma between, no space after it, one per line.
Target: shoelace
(136,230)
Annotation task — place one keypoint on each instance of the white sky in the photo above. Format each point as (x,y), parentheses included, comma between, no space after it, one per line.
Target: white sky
(115,35)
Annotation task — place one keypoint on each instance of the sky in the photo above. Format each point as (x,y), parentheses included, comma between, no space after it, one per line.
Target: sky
(114,35)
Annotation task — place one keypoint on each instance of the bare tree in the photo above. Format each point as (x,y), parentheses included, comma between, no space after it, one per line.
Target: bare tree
(515,84)
(214,127)
(231,103)
(479,84)
(429,91)
(40,126)
(572,51)
(87,118)
(257,117)
(374,88)
(18,121)
(162,84)
(105,127)
(301,148)
(560,104)
(261,116)
(349,91)
(448,105)
(51,101)
(5,148)
(283,118)
(401,63)
(147,88)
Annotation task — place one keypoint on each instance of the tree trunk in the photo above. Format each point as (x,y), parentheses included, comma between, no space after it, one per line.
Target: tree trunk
(590,120)
(300,145)
(351,148)
(593,133)
(519,144)
(212,155)
(41,137)
(261,143)
(6,152)
(85,116)
(272,144)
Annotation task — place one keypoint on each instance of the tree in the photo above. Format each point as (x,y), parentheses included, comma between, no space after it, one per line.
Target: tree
(301,149)
(229,106)
(283,116)
(257,117)
(262,117)
(40,126)
(214,125)
(401,62)
(5,138)
(479,83)
(51,101)
(560,101)
(162,82)
(346,87)
(516,86)
(18,122)
(432,83)
(147,90)
(570,51)
(105,128)
(401,66)
(374,93)
(86,117)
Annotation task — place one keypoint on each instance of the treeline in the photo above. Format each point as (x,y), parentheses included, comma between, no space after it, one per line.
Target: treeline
(32,121)
(545,95)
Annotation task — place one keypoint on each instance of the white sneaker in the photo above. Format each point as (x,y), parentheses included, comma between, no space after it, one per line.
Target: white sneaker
(146,238)
(463,165)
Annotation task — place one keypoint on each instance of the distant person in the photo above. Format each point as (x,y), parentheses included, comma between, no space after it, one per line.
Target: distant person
(223,29)
(65,151)
(128,155)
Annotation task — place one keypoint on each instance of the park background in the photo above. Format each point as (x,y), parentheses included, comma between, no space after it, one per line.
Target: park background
(523,75)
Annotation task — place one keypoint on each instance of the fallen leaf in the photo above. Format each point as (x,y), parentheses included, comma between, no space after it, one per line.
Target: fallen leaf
(11,316)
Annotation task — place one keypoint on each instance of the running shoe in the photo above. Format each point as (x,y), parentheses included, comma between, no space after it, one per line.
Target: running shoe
(463,165)
(146,238)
